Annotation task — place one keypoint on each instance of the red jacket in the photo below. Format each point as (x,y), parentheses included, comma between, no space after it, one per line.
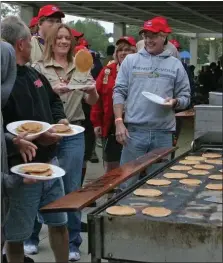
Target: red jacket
(102,112)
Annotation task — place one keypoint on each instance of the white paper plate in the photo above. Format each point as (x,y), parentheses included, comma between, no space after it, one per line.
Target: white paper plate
(11,127)
(154,98)
(76,130)
(57,172)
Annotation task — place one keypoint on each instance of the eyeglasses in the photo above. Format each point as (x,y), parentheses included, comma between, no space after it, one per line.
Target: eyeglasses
(54,20)
(124,50)
(150,35)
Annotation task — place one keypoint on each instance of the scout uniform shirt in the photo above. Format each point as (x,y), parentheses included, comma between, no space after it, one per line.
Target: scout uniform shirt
(56,74)
(37,48)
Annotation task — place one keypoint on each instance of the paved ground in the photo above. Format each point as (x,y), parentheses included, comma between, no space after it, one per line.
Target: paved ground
(95,171)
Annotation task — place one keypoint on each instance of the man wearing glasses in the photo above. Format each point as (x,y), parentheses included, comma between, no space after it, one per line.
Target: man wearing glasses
(48,16)
(148,125)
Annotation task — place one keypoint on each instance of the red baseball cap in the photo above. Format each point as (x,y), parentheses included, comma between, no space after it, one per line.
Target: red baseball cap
(83,42)
(49,10)
(75,33)
(34,21)
(175,43)
(130,40)
(156,25)
(164,21)
(77,48)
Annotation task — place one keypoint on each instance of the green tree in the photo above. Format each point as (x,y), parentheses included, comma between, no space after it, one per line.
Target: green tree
(94,33)
(9,9)
(133,31)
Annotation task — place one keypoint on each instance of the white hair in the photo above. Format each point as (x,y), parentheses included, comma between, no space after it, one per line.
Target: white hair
(13,29)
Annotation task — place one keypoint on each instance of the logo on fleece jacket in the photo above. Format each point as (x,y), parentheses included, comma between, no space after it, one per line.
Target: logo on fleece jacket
(38,83)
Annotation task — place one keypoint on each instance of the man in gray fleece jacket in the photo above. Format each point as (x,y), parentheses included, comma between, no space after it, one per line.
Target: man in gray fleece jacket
(148,125)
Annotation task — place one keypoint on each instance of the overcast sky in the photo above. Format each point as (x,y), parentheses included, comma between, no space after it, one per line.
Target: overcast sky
(108,26)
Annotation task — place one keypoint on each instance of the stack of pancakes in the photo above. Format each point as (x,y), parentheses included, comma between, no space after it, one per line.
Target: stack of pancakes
(61,128)
(37,170)
(30,127)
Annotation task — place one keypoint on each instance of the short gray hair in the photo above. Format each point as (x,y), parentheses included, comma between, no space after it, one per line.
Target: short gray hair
(13,29)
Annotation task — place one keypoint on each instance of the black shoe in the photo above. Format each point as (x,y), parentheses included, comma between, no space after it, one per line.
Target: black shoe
(94,158)
(26,259)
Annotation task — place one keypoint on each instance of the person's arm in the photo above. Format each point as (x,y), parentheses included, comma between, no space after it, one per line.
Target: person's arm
(119,97)
(91,94)
(121,89)
(10,181)
(96,115)
(182,89)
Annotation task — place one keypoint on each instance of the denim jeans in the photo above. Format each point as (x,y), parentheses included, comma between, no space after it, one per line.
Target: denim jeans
(70,156)
(143,140)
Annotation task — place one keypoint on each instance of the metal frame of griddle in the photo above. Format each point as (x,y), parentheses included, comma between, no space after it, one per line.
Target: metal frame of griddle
(95,242)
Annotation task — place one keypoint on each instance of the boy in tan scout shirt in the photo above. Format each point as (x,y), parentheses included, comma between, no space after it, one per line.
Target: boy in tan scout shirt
(48,16)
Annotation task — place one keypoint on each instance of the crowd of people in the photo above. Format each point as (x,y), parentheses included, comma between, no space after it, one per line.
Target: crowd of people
(37,65)
(210,79)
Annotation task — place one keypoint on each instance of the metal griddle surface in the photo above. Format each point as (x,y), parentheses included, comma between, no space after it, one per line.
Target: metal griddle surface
(187,203)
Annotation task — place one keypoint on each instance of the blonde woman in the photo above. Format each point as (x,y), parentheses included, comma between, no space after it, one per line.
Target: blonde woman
(58,67)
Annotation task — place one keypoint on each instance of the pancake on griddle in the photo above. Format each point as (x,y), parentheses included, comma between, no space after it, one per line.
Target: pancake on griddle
(214,187)
(158,182)
(203,166)
(192,182)
(216,177)
(147,192)
(156,211)
(195,158)
(175,175)
(180,168)
(198,172)
(214,161)
(189,162)
(211,155)
(121,210)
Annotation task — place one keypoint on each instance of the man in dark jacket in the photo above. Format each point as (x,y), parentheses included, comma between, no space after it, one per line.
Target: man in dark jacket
(9,181)
(32,98)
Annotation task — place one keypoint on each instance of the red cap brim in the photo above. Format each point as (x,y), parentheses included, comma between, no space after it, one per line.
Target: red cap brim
(143,30)
(123,40)
(60,13)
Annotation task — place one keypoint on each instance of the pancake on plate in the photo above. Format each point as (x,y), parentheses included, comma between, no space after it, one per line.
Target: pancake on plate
(30,127)
(62,128)
(37,170)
